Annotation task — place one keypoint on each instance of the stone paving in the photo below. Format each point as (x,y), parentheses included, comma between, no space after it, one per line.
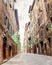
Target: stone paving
(30,59)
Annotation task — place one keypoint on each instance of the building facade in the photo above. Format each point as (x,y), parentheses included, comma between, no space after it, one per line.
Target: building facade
(39,28)
(8,48)
(26,35)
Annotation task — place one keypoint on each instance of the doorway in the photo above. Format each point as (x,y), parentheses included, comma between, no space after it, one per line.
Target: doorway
(42,47)
(10,51)
(4,47)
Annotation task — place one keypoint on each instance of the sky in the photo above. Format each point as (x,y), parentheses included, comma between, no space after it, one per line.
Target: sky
(23,8)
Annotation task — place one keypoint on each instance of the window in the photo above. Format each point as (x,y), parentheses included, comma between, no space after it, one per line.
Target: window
(8,25)
(39,21)
(6,2)
(48,7)
(16,16)
(5,18)
(11,29)
(10,6)
(30,8)
(28,23)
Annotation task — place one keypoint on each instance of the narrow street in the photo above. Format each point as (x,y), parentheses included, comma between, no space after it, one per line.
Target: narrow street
(29,59)
(25,32)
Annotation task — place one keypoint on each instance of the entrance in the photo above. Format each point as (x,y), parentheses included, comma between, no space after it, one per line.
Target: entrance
(13,50)
(42,47)
(10,51)
(4,47)
(34,48)
(49,40)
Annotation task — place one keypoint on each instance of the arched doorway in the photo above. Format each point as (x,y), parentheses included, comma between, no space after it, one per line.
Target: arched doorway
(4,47)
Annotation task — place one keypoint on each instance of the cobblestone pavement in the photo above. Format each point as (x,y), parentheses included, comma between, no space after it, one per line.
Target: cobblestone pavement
(30,59)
